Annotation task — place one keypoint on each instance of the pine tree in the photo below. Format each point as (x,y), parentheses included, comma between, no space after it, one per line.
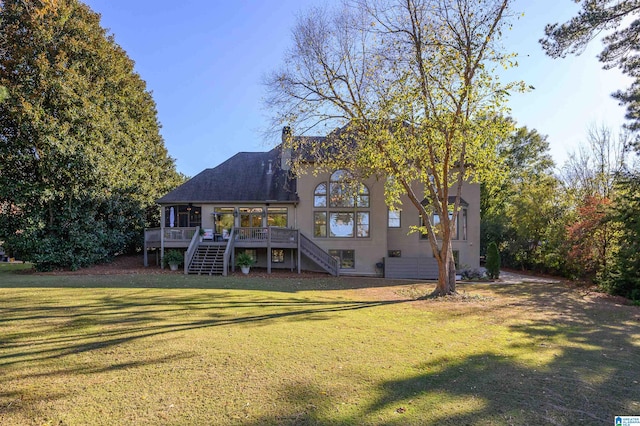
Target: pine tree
(624,277)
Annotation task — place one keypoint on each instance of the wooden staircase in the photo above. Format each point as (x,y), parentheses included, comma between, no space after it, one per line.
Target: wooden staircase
(208,259)
(318,255)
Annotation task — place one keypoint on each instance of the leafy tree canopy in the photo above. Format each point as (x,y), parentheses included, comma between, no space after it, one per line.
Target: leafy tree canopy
(413,85)
(82,157)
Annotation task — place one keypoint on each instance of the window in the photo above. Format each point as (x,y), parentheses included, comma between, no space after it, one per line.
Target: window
(343,201)
(462,220)
(461,223)
(251,217)
(394,219)
(346,258)
(341,224)
(277,256)
(341,190)
(277,216)
(320,196)
(320,224)
(394,253)
(184,216)
(362,224)
(224,220)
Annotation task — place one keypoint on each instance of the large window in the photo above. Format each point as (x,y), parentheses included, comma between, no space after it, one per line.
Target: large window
(346,258)
(277,216)
(461,225)
(341,224)
(341,208)
(182,216)
(224,220)
(251,217)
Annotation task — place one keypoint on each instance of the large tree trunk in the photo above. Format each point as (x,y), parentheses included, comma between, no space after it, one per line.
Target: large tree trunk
(446,274)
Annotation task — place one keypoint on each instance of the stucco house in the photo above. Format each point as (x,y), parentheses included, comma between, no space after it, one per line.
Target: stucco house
(253,203)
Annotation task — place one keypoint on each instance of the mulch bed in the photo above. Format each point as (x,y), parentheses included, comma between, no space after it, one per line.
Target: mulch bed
(135,265)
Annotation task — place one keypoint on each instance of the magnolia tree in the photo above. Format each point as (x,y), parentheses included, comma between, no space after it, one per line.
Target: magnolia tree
(81,156)
(413,84)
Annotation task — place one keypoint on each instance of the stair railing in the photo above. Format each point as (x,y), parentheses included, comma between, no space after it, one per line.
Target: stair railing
(318,255)
(228,252)
(193,245)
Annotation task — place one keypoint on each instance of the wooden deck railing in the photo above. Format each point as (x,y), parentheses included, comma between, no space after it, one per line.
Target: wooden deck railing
(269,234)
(152,235)
(283,235)
(179,234)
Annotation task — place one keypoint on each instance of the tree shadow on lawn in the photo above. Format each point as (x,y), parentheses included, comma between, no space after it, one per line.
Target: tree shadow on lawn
(287,283)
(113,321)
(26,402)
(588,373)
(51,332)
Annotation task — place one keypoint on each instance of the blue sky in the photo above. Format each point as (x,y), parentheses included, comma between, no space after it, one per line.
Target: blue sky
(204,62)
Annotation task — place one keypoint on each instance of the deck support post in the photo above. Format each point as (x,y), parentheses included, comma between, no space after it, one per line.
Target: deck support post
(298,250)
(268,250)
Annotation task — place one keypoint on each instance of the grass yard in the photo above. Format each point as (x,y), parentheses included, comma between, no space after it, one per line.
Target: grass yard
(174,349)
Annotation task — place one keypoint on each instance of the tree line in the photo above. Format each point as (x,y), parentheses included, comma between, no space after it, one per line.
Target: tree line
(579,220)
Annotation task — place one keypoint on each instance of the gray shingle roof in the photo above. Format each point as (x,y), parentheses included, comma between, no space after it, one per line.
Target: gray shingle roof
(244,177)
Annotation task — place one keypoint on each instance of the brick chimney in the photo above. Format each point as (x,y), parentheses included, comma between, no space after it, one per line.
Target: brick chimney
(285,148)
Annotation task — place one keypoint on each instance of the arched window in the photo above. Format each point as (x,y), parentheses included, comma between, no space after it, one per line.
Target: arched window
(341,207)
(320,195)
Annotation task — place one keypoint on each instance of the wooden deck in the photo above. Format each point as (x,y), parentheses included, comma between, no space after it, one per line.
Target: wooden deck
(268,237)
(244,237)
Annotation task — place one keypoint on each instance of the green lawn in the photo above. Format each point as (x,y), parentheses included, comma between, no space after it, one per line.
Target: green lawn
(175,349)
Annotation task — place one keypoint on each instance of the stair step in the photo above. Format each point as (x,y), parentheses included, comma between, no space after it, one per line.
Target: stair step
(207,260)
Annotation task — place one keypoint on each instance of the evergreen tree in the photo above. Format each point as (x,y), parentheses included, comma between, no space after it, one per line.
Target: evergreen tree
(81,154)
(493,261)
(624,278)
